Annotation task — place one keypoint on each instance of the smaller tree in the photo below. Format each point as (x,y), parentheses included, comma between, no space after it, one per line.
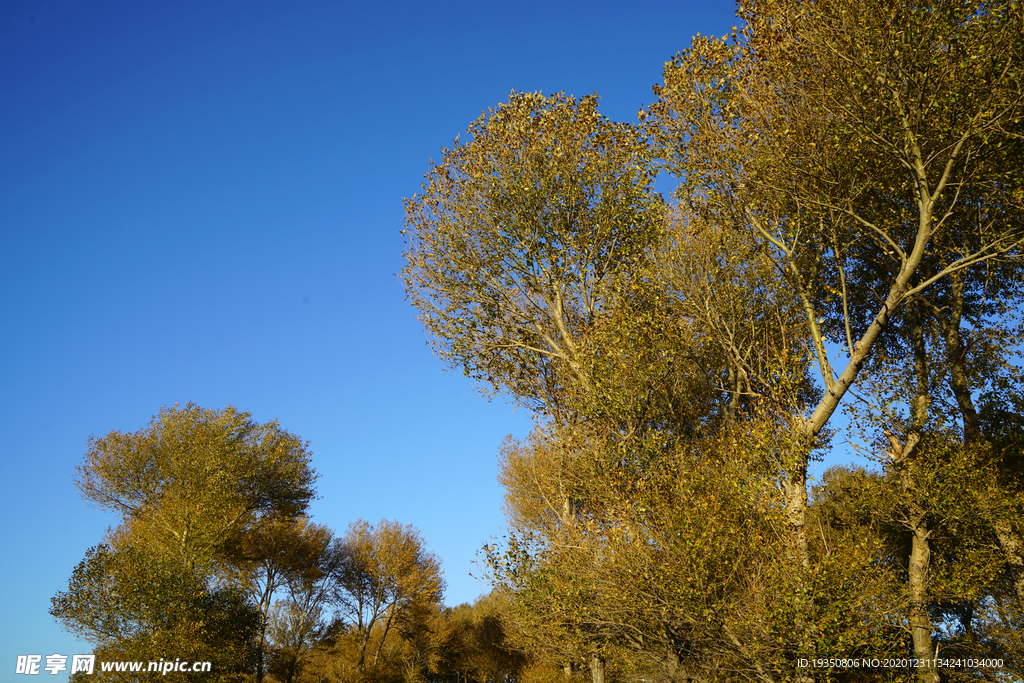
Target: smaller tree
(487,651)
(137,607)
(293,629)
(290,554)
(382,572)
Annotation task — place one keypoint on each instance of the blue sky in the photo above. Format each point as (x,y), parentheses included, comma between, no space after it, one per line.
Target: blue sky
(202,202)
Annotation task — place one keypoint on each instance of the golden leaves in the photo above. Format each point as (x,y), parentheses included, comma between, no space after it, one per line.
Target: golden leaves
(195,477)
(518,232)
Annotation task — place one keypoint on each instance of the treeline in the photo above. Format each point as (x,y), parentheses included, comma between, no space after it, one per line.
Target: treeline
(215,560)
(846,232)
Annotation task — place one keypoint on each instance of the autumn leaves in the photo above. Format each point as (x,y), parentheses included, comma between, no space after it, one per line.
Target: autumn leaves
(847,232)
(215,560)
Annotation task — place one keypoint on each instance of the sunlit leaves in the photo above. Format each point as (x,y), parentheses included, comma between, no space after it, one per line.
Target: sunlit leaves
(384,572)
(518,235)
(195,489)
(195,477)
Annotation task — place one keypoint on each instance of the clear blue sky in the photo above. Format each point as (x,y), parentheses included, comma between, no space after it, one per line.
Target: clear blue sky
(201,201)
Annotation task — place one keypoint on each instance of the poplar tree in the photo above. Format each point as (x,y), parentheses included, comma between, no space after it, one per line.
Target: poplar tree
(849,179)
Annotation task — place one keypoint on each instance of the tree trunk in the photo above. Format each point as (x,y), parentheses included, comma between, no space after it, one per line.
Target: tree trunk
(361,662)
(596,668)
(264,607)
(795,490)
(387,627)
(673,670)
(920,545)
(1009,540)
(920,620)
(260,646)
(1013,550)
(956,357)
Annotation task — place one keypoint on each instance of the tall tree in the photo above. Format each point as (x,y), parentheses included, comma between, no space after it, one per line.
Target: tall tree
(844,169)
(524,242)
(519,236)
(846,140)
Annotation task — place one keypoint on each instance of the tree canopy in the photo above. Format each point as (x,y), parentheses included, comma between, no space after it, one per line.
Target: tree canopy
(195,478)
(521,234)
(846,233)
